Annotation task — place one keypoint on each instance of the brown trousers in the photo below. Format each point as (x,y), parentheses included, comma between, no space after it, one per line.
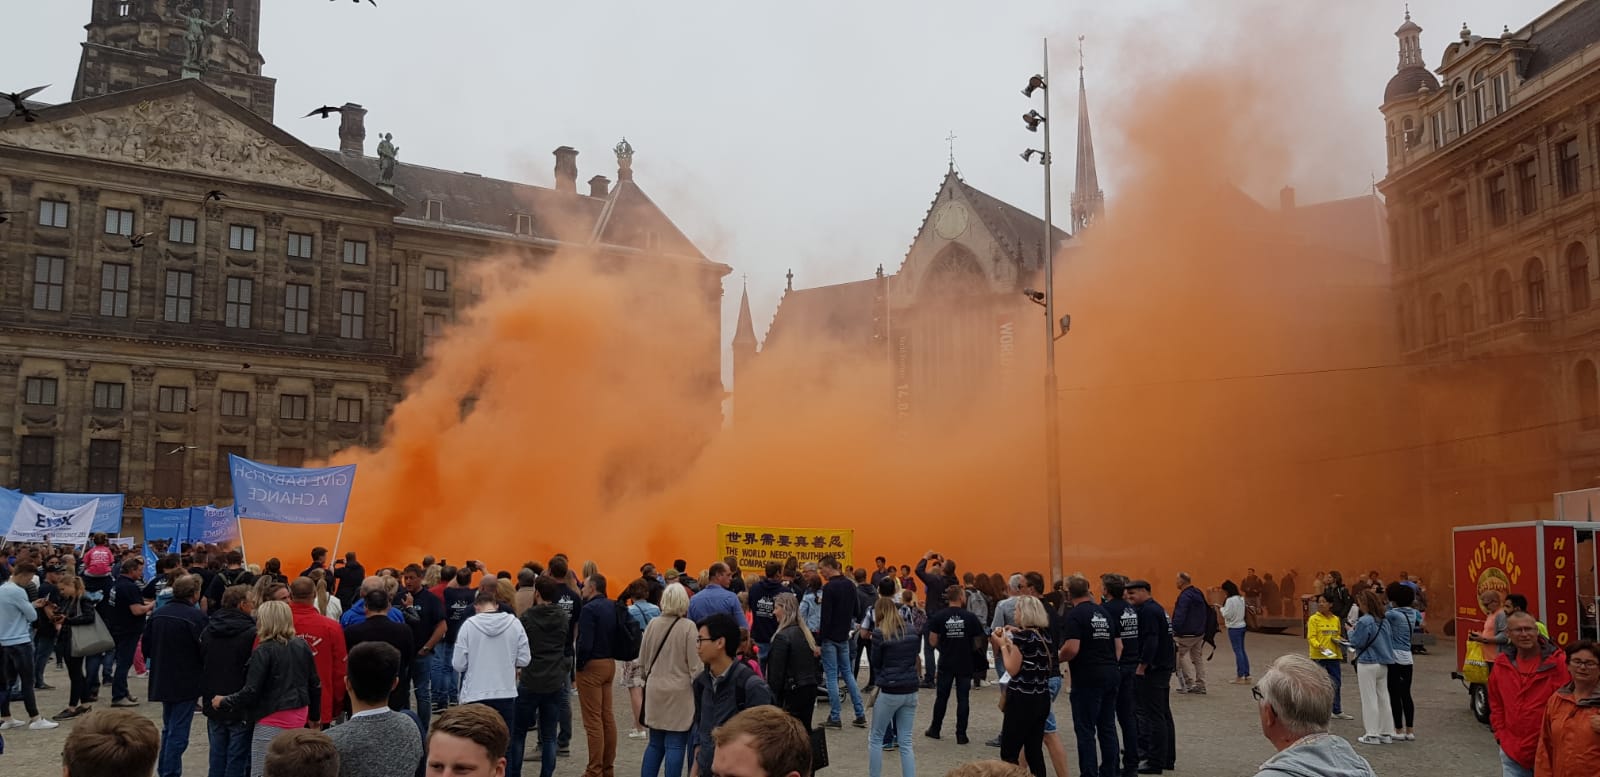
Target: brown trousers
(599,724)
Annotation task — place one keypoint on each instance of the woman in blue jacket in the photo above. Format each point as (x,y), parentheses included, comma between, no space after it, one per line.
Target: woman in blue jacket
(1374,653)
(896,649)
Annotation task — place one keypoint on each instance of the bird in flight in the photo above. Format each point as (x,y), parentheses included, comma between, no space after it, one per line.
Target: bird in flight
(137,241)
(358,2)
(215,194)
(325,111)
(5,215)
(18,106)
(181,449)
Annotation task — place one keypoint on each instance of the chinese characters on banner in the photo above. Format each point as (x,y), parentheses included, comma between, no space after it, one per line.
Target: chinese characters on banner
(754,546)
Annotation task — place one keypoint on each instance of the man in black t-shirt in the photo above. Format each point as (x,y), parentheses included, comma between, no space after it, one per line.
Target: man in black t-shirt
(570,602)
(124,610)
(1091,649)
(956,632)
(45,629)
(1125,624)
(457,608)
(427,631)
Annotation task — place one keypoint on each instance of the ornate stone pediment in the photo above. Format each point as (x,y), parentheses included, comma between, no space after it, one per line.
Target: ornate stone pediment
(180,132)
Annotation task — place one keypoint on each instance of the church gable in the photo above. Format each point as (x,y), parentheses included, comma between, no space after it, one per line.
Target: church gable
(954,253)
(176,128)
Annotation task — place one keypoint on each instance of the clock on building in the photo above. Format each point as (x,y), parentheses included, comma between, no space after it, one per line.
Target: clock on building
(951,221)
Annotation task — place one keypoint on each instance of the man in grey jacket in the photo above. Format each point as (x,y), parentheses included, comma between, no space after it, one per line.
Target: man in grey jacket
(1295,697)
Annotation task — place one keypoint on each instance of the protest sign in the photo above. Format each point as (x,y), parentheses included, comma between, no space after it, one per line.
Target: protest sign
(754,546)
(33,522)
(107,518)
(263,492)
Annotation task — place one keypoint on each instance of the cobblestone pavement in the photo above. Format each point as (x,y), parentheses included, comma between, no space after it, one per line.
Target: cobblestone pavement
(1218,734)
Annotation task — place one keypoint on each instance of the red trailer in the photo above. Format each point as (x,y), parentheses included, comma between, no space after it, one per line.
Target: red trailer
(1552,563)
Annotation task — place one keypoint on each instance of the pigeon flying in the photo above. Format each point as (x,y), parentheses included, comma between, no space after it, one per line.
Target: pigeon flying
(19,107)
(325,111)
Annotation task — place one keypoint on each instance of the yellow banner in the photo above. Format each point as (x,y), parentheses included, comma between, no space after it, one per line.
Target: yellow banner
(754,546)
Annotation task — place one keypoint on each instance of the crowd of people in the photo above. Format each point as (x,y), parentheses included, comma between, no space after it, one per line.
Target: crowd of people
(439,669)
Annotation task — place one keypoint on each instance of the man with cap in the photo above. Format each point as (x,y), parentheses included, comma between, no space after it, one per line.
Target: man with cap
(1152,676)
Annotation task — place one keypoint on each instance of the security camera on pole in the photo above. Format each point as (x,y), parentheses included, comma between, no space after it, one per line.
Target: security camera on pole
(1034,120)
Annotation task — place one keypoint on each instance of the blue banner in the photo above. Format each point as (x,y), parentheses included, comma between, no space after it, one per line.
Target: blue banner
(108,518)
(263,492)
(212,525)
(166,528)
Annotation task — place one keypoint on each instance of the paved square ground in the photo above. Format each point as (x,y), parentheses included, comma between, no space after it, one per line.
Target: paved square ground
(1218,734)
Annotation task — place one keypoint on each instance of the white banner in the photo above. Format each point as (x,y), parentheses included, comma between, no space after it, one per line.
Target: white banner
(34,522)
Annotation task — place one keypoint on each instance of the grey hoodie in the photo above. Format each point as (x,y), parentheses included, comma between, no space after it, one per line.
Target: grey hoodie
(1317,755)
(490,649)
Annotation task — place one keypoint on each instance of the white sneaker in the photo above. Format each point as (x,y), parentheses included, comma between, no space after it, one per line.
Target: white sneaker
(43,724)
(1388,740)
(13,723)
(1409,737)
(1344,716)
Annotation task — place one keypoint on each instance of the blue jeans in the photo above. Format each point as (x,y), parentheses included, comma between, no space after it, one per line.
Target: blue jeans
(1050,719)
(230,748)
(540,708)
(901,708)
(666,747)
(835,659)
(422,681)
(124,652)
(762,649)
(1335,669)
(564,737)
(1510,768)
(444,675)
(1241,662)
(43,648)
(176,716)
(1094,720)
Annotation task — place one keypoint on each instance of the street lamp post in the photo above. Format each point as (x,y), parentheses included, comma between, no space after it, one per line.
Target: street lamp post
(1033,120)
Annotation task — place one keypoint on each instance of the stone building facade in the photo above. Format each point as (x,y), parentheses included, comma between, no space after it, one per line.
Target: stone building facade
(147,329)
(1492,194)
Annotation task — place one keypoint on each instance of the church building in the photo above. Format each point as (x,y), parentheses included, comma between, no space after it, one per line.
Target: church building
(181,279)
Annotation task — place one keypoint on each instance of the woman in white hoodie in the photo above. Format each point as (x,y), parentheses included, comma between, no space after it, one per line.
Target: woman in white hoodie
(490,648)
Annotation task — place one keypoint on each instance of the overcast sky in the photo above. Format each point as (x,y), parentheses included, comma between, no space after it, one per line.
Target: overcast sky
(808,135)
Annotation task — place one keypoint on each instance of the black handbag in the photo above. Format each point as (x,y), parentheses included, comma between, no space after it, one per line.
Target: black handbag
(819,748)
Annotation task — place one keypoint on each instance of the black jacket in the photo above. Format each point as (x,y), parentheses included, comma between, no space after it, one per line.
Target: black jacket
(281,676)
(791,664)
(225,647)
(171,645)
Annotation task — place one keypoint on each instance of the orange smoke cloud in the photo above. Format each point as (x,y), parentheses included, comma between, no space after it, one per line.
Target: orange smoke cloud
(1223,404)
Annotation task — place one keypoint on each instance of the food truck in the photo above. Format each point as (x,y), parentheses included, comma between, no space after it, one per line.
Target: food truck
(1552,563)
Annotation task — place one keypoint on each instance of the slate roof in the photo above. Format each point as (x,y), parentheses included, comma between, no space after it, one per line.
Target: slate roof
(1018,230)
(624,218)
(842,313)
(1354,226)
(1407,82)
(1564,37)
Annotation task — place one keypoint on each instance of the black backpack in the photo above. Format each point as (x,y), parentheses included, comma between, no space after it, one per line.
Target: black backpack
(625,642)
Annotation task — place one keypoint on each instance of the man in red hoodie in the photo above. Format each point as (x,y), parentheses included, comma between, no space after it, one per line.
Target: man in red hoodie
(326,640)
(1520,686)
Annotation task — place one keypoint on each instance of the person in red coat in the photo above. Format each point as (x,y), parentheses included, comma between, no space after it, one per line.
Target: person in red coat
(1520,687)
(326,640)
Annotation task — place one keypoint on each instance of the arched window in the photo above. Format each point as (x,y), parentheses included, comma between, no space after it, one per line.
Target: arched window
(1466,317)
(954,272)
(1588,395)
(1504,306)
(1438,326)
(1533,275)
(1408,133)
(1578,277)
(1391,140)
(1460,96)
(1480,98)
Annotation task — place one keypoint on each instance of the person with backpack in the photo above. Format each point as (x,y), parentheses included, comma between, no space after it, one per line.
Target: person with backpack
(726,687)
(636,603)
(99,563)
(1193,622)
(231,575)
(602,638)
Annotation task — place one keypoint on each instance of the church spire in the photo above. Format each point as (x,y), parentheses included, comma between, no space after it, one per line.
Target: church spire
(1088,202)
(744,337)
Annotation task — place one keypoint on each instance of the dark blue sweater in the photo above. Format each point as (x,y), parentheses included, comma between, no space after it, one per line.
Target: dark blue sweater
(597,621)
(839,605)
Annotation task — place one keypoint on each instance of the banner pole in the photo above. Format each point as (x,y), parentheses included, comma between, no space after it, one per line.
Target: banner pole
(336,540)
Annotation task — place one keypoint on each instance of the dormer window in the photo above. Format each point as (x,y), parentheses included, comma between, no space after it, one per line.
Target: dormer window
(1500,87)
(435,210)
(524,225)
(1460,96)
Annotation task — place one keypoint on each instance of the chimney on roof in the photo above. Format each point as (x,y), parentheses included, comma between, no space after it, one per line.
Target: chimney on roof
(1286,198)
(567,169)
(353,130)
(599,186)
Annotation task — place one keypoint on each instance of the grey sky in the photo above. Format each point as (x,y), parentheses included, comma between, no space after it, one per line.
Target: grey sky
(808,135)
